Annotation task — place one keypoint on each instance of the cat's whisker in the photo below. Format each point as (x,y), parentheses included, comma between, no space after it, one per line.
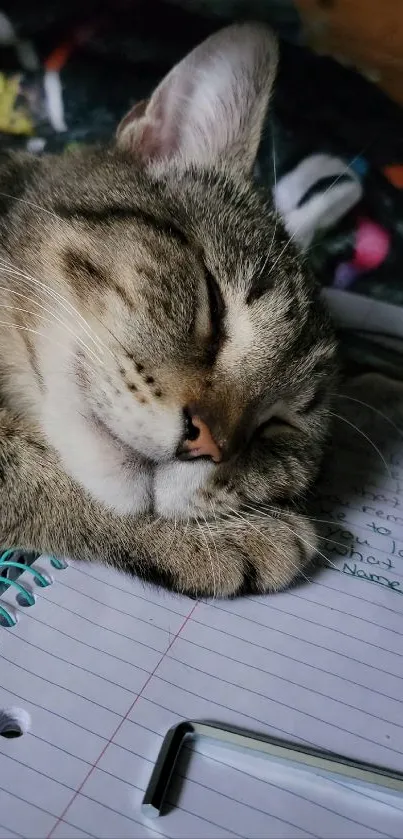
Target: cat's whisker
(333,541)
(257,512)
(333,522)
(36,332)
(216,551)
(87,363)
(32,204)
(221,520)
(61,299)
(273,512)
(277,511)
(112,334)
(210,557)
(264,266)
(63,302)
(64,323)
(47,320)
(366,437)
(182,535)
(315,549)
(371,408)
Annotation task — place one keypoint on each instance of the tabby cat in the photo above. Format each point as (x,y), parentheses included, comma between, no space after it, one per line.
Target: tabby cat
(165,359)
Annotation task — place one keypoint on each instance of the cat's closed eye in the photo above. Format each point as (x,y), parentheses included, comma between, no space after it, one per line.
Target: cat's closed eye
(272,425)
(216,311)
(275,421)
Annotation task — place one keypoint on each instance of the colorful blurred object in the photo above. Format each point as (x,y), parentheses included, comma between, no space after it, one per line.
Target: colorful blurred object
(394,174)
(332,151)
(14,119)
(372,243)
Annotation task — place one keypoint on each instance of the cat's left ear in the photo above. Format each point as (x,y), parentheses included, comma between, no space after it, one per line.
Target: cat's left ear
(210,108)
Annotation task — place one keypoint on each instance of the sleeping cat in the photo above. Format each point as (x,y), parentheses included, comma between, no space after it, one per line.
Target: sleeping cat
(165,359)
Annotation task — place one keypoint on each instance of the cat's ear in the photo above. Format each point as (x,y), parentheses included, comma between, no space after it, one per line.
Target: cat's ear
(210,108)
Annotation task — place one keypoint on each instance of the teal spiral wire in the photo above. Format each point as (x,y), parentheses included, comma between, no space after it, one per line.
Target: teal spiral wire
(6,619)
(25,596)
(40,579)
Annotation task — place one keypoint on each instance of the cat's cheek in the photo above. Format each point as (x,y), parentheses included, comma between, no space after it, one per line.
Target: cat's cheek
(178,488)
(111,474)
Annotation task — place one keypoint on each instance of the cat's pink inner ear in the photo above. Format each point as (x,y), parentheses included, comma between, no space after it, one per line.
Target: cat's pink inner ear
(152,128)
(143,131)
(210,108)
(136,112)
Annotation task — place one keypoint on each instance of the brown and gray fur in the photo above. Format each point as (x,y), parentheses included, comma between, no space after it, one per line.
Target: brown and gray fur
(143,280)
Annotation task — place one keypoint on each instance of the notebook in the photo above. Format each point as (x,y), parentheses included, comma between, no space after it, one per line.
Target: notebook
(105,665)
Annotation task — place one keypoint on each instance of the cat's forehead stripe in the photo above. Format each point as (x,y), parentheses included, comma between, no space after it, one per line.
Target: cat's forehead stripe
(120,213)
(85,276)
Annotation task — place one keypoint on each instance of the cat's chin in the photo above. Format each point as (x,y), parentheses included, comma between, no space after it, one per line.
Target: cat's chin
(109,471)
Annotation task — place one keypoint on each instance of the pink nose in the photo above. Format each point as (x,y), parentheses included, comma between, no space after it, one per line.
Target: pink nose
(204,445)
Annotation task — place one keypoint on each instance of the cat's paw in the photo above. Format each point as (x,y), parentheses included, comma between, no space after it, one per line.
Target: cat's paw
(277,550)
(237,554)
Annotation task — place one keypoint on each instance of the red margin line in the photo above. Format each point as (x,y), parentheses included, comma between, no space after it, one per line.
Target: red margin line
(113,735)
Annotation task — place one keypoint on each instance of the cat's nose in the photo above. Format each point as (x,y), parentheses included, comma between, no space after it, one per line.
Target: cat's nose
(198,440)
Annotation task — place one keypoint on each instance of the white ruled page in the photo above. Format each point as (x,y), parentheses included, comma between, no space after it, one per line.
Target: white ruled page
(106,666)
(76,661)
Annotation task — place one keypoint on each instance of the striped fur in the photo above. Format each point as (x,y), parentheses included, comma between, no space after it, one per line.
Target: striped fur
(138,281)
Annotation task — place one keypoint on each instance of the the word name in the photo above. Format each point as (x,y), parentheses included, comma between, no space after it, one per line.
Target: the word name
(355,571)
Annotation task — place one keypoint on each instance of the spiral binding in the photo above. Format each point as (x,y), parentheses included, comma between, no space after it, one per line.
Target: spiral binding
(13,563)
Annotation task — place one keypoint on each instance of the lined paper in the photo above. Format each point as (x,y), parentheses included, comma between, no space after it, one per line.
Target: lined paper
(105,666)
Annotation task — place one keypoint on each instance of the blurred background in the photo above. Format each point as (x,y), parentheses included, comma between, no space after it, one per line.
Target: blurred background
(332,150)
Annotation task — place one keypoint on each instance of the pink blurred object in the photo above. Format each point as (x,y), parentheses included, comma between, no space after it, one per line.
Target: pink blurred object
(372,245)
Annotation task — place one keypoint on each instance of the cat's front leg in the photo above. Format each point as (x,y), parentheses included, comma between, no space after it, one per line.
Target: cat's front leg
(43,509)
